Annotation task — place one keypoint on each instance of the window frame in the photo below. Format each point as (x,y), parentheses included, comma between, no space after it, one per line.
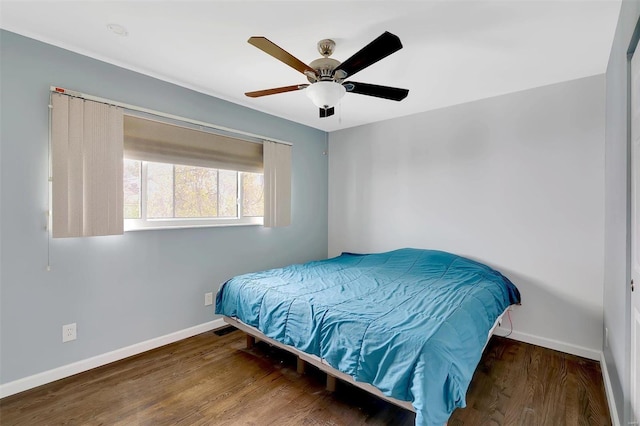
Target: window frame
(143,223)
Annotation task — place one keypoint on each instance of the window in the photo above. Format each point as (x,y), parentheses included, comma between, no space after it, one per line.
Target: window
(159,195)
(112,162)
(177,176)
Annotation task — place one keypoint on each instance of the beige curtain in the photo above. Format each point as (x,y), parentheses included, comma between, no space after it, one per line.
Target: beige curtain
(150,140)
(277,184)
(86,158)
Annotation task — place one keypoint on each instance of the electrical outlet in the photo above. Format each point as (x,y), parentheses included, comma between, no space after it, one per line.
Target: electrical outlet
(68,332)
(208,299)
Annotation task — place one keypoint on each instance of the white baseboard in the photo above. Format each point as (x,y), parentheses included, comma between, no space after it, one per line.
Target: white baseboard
(608,390)
(49,376)
(551,344)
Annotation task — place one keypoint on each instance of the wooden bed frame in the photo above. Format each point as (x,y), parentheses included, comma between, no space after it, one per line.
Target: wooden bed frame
(332,374)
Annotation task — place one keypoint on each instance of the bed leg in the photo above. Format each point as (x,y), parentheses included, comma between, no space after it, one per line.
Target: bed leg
(331,383)
(301,365)
(250,341)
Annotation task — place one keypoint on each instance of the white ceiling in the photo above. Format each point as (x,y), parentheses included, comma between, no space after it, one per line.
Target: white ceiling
(454,51)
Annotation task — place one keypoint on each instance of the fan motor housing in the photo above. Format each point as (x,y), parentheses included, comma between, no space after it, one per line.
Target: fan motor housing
(324,68)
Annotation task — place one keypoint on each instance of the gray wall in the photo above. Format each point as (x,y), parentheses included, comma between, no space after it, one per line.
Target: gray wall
(122,290)
(515,181)
(617,311)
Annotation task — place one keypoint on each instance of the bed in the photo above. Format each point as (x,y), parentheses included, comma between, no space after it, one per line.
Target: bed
(409,324)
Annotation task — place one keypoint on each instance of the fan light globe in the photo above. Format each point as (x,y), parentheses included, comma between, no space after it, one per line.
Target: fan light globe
(325,94)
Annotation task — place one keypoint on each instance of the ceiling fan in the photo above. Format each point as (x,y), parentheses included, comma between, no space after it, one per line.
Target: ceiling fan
(326,75)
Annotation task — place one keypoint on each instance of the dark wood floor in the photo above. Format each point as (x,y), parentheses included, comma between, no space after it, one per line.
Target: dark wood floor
(214,380)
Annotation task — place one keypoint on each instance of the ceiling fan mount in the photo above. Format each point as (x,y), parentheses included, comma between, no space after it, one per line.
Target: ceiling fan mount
(326,47)
(326,75)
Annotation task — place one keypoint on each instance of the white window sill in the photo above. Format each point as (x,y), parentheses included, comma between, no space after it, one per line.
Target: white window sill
(149,225)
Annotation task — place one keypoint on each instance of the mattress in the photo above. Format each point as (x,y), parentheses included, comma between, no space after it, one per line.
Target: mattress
(413,323)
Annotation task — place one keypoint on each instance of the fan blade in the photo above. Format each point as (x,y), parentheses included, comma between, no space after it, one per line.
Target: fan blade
(279,53)
(386,92)
(273,91)
(327,112)
(379,48)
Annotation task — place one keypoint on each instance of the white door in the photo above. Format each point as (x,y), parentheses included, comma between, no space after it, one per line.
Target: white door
(635,237)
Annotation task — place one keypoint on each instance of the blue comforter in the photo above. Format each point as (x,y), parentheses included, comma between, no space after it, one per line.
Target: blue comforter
(410,322)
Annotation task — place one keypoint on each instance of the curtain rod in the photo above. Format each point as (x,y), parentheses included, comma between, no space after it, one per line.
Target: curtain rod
(161,114)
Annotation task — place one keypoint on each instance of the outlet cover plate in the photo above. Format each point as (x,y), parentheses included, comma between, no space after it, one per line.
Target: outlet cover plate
(68,332)
(208,299)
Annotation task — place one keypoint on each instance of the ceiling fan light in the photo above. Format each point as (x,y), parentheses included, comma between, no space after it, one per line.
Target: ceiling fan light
(325,94)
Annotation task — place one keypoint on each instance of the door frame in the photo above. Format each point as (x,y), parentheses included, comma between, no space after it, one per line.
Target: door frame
(633,45)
